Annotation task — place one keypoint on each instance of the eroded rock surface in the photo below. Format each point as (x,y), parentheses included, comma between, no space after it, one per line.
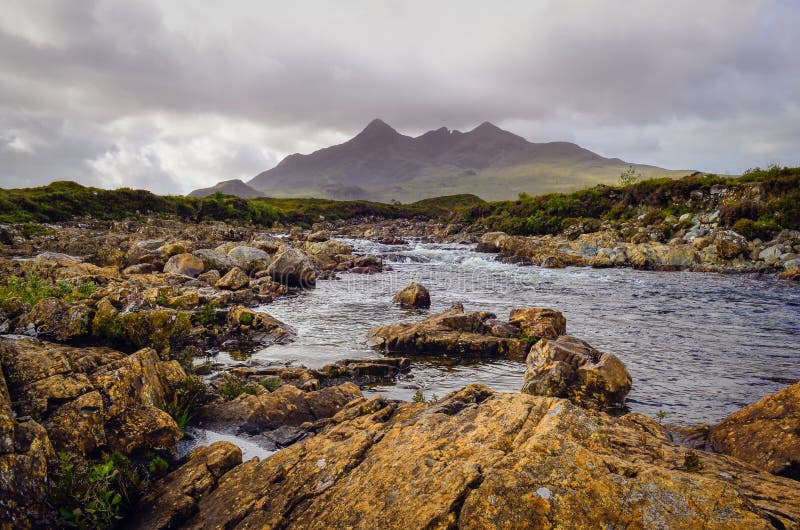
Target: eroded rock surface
(570,368)
(452,333)
(413,295)
(765,434)
(479,459)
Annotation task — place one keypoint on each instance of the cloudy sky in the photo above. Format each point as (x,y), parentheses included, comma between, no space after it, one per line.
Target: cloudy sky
(179,94)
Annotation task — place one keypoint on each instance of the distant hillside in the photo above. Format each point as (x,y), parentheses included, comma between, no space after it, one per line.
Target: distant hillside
(228,187)
(381,164)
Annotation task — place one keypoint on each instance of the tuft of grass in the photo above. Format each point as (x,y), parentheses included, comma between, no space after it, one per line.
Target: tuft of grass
(234,387)
(272,384)
(29,230)
(419,397)
(246,319)
(692,462)
(187,395)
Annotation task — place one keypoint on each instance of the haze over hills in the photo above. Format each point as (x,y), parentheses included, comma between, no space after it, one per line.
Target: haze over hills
(381,164)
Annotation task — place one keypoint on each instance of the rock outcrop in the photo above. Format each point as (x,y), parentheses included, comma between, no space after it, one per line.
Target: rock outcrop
(765,434)
(452,333)
(81,400)
(479,459)
(568,367)
(413,295)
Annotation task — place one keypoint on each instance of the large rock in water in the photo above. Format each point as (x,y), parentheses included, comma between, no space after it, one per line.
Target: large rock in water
(479,459)
(765,434)
(413,295)
(570,368)
(452,333)
(538,323)
(292,267)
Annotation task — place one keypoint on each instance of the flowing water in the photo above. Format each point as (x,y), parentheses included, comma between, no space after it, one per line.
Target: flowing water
(698,346)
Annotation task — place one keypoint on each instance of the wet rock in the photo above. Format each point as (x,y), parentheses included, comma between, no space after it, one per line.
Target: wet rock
(491,242)
(478,459)
(157,328)
(247,329)
(452,333)
(173,499)
(765,434)
(538,322)
(568,367)
(329,255)
(250,259)
(234,280)
(288,405)
(413,295)
(552,262)
(293,268)
(185,264)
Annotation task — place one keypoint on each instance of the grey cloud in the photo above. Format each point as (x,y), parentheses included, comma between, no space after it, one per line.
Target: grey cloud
(110,91)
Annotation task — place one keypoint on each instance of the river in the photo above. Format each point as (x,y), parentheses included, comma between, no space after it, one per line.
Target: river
(698,345)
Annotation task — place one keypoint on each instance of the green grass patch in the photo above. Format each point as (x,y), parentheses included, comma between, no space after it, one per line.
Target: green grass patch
(32,288)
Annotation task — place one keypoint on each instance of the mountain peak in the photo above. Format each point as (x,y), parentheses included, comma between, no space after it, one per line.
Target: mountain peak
(378,126)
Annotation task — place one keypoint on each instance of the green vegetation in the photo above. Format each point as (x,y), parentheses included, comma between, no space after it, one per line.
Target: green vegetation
(93,495)
(188,395)
(246,319)
(272,384)
(776,207)
(692,462)
(207,314)
(63,201)
(234,387)
(33,229)
(157,466)
(419,397)
(32,288)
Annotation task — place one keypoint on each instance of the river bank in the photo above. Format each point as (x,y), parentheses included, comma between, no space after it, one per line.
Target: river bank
(119,335)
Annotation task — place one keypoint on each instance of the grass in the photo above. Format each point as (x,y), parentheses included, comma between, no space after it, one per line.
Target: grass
(234,387)
(188,395)
(32,288)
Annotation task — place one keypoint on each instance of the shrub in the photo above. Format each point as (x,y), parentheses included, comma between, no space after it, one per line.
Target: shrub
(692,462)
(157,466)
(419,397)
(750,229)
(93,495)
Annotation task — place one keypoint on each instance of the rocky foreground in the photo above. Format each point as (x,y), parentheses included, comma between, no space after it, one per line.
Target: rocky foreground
(101,327)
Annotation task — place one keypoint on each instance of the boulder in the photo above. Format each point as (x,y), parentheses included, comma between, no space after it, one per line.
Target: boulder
(234,280)
(215,260)
(452,333)
(210,277)
(173,499)
(765,434)
(294,268)
(413,295)
(568,367)
(480,459)
(185,264)
(288,405)
(250,259)
(491,242)
(730,244)
(322,235)
(537,322)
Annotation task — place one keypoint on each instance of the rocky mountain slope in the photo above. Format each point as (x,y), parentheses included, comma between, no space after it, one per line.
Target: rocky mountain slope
(381,164)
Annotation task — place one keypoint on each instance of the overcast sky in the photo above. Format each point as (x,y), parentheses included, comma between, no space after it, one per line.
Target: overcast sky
(179,94)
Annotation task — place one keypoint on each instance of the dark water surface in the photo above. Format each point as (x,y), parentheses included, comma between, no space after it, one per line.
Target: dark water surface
(698,346)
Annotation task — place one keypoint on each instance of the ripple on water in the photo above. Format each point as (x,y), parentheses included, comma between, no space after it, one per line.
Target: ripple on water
(698,345)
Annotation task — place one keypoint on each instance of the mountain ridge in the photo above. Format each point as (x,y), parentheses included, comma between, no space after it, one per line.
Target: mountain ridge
(380,163)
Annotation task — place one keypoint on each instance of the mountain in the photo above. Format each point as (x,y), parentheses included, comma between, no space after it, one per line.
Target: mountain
(228,187)
(382,164)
